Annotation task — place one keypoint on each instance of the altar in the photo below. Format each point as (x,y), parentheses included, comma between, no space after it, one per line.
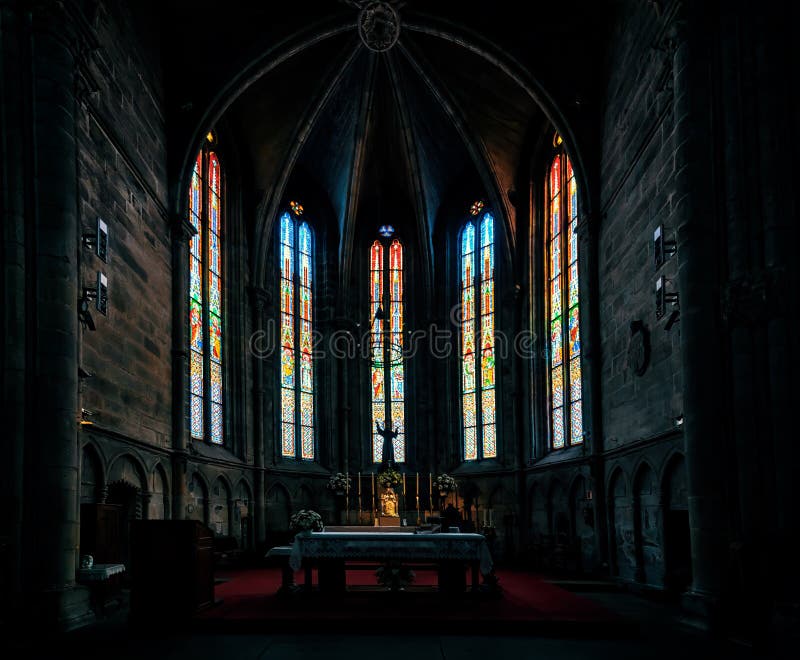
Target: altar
(331,552)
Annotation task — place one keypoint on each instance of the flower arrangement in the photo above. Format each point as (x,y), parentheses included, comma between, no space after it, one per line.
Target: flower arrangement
(395,576)
(339,482)
(306,520)
(390,478)
(444,483)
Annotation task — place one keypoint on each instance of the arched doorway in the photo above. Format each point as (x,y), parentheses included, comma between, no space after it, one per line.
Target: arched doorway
(129,500)
(621,545)
(647,527)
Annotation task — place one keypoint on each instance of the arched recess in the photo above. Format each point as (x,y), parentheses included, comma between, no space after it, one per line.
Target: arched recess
(93,481)
(582,522)
(159,505)
(221,507)
(279,508)
(620,518)
(648,527)
(127,482)
(197,500)
(241,525)
(677,538)
(558,513)
(539,517)
(306,497)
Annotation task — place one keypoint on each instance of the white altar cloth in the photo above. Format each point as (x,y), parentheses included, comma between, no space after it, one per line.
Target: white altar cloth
(99,572)
(358,546)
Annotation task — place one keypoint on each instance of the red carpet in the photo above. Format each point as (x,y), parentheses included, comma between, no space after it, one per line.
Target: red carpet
(528,605)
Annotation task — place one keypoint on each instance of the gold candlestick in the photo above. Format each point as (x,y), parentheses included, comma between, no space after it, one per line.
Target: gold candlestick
(359,497)
(418,498)
(430,492)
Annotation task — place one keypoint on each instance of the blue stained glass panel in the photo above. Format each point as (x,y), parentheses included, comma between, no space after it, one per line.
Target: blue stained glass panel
(306,409)
(397,383)
(576,422)
(557,385)
(307,449)
(216,423)
(489,441)
(197,416)
(470,443)
(216,382)
(556,343)
(573,284)
(558,428)
(196,326)
(574,331)
(287,439)
(488,406)
(575,378)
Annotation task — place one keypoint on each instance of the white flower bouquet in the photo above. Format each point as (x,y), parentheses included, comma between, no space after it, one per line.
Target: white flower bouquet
(339,482)
(444,483)
(306,520)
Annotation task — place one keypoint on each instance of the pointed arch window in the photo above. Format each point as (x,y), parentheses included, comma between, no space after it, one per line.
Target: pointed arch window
(563,309)
(478,375)
(296,271)
(206,387)
(386,276)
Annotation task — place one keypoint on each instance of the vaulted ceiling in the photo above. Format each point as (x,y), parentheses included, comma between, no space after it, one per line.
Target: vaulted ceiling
(382,126)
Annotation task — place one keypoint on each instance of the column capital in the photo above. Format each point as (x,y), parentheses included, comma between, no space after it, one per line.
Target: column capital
(182,229)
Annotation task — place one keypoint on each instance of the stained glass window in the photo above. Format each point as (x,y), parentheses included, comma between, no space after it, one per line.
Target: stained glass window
(566,416)
(296,273)
(206,388)
(386,284)
(478,376)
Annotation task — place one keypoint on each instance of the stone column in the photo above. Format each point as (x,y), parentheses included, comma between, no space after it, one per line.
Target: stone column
(16,186)
(694,214)
(182,232)
(588,277)
(260,299)
(54,37)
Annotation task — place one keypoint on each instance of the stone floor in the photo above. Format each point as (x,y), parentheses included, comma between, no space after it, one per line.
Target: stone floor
(663,634)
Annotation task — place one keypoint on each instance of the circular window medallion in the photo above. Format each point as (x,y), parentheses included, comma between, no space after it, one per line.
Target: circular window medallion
(379,26)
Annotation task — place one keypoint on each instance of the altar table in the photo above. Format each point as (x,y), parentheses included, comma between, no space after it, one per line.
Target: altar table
(338,548)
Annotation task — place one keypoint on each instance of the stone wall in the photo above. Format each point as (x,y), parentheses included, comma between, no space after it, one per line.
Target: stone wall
(122,179)
(637,188)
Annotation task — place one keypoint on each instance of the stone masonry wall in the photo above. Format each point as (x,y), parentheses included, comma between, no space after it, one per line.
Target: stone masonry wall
(122,179)
(637,172)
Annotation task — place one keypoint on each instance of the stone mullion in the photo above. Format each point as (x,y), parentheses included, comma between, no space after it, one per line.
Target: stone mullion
(182,233)
(205,271)
(260,298)
(694,212)
(16,285)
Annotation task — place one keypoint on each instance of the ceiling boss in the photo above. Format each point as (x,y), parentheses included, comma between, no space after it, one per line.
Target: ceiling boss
(379,26)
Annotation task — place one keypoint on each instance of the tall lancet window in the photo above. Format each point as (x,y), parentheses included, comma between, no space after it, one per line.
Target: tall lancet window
(296,254)
(386,316)
(478,377)
(563,311)
(205,297)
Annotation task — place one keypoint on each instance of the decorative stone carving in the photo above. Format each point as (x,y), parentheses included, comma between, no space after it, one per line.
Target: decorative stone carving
(639,348)
(379,26)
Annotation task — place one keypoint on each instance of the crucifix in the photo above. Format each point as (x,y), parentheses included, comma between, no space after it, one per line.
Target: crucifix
(388,442)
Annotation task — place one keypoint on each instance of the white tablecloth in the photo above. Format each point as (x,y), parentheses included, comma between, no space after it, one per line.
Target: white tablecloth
(357,546)
(99,572)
